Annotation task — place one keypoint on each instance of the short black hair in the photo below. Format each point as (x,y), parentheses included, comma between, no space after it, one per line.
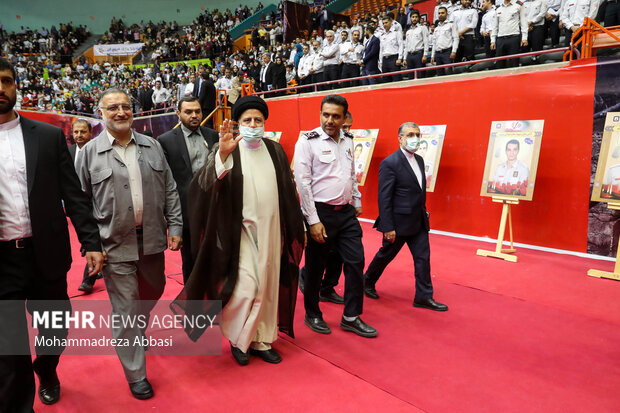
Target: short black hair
(336,100)
(6,65)
(415,12)
(187,99)
(513,142)
(442,7)
(370,29)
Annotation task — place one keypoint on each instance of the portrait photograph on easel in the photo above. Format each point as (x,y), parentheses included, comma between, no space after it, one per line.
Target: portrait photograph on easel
(431,144)
(363,146)
(512,159)
(607,179)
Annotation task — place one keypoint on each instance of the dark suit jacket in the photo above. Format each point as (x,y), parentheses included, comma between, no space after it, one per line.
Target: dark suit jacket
(206,97)
(72,150)
(52,179)
(371,54)
(145,99)
(401,199)
(175,150)
(268,77)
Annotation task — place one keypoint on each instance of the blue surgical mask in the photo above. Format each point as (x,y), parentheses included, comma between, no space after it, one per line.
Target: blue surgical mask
(252,135)
(412,144)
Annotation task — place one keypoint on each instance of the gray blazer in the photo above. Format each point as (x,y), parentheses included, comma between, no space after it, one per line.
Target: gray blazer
(105,180)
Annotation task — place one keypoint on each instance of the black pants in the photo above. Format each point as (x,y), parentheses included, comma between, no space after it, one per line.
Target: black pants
(612,14)
(507,46)
(330,72)
(350,70)
(186,254)
(368,72)
(536,38)
(414,61)
(389,65)
(306,81)
(466,48)
(443,58)
(487,47)
(553,31)
(23,281)
(333,269)
(420,250)
(318,78)
(345,236)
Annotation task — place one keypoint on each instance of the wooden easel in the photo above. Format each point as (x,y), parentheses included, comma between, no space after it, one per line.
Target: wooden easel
(604,274)
(503,253)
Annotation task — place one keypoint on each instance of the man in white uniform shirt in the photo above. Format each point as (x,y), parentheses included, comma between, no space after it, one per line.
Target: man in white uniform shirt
(304,66)
(416,45)
(511,176)
(573,13)
(445,42)
(535,11)
(511,26)
(487,26)
(466,20)
(325,178)
(391,49)
(160,95)
(351,53)
(331,56)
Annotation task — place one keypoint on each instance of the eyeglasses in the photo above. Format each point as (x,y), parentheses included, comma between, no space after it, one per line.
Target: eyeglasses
(118,108)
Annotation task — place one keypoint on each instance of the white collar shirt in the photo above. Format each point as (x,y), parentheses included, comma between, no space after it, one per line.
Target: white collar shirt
(445,37)
(331,53)
(416,39)
(488,19)
(391,43)
(351,53)
(413,163)
(575,11)
(535,11)
(14,207)
(325,172)
(466,19)
(510,20)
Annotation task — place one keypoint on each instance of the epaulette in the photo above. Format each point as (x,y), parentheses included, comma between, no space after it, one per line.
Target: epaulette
(520,3)
(348,134)
(312,135)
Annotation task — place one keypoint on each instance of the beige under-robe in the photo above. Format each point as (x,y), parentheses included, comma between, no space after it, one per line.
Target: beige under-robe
(250,317)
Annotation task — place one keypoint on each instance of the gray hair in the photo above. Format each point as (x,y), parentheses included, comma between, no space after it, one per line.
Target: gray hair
(111,91)
(407,125)
(329,32)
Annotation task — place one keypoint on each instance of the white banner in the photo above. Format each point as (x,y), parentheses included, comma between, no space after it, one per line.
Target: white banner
(117,49)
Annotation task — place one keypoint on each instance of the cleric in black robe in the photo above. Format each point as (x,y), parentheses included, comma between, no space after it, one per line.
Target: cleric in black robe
(221,236)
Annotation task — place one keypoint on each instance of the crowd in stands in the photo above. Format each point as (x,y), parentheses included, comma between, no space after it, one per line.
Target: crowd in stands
(385,42)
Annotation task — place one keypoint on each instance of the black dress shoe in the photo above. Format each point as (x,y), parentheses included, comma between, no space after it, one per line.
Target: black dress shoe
(430,304)
(370,292)
(332,296)
(242,358)
(358,327)
(49,388)
(86,286)
(141,389)
(270,356)
(49,394)
(317,324)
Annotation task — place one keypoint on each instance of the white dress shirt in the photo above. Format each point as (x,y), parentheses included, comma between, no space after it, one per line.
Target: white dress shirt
(575,11)
(488,20)
(416,40)
(325,172)
(305,64)
(391,43)
(414,165)
(14,208)
(466,19)
(535,11)
(351,57)
(510,20)
(446,36)
(330,53)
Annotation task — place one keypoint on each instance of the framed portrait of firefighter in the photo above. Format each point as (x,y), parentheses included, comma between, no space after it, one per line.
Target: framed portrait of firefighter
(512,159)
(363,146)
(431,143)
(607,179)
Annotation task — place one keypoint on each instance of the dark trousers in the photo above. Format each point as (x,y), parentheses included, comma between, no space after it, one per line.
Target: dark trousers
(350,70)
(330,72)
(333,269)
(345,236)
(466,48)
(318,78)
(186,254)
(553,31)
(23,281)
(368,72)
(487,47)
(443,58)
(389,65)
(414,61)
(306,81)
(612,14)
(506,46)
(536,38)
(420,250)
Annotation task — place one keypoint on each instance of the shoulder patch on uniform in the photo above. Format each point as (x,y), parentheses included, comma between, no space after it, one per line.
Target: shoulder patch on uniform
(520,3)
(311,135)
(348,134)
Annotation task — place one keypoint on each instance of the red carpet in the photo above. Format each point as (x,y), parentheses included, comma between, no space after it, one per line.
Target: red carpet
(534,336)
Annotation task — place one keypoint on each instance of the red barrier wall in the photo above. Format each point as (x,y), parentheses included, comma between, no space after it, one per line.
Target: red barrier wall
(558,214)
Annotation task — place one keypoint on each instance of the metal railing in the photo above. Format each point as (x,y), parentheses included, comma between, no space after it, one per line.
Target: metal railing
(316,86)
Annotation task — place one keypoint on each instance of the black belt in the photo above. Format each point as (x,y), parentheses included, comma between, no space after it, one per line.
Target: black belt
(509,37)
(449,49)
(351,64)
(392,56)
(330,206)
(138,230)
(417,52)
(17,243)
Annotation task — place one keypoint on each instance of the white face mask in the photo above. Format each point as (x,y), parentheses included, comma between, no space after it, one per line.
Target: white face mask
(252,135)
(412,144)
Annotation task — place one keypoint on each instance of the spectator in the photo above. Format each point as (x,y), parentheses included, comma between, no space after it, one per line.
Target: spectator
(446,42)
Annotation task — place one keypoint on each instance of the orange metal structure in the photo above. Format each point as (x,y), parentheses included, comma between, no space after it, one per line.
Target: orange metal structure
(590,37)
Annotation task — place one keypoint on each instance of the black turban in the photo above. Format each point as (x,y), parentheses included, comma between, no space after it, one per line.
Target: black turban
(249,102)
